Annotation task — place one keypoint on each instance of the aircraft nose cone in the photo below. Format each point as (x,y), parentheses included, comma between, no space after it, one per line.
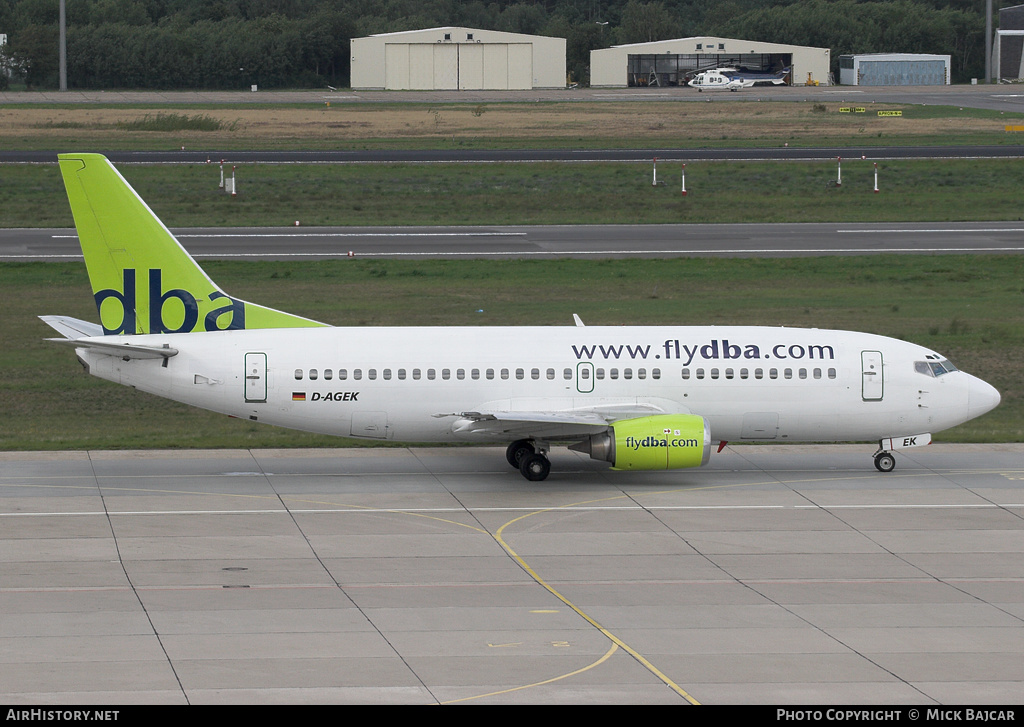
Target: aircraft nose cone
(981,398)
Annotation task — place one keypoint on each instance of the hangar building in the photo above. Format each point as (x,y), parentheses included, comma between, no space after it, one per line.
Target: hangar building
(457,59)
(674,62)
(1008,53)
(894,69)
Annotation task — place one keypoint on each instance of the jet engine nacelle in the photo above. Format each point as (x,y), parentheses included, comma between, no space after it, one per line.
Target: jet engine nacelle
(660,442)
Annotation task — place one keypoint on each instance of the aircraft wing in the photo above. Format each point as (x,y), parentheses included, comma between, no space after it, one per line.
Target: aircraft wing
(558,425)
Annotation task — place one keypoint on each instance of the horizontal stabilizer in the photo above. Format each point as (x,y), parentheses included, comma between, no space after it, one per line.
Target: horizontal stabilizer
(117,347)
(72,327)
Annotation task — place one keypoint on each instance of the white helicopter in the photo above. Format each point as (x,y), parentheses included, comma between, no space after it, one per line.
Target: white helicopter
(733,79)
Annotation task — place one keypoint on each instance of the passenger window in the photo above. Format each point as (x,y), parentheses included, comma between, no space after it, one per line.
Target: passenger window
(446,374)
(551,374)
(460,374)
(298,374)
(312,375)
(788,373)
(817,373)
(627,373)
(416,374)
(387,374)
(401,374)
(372,374)
(328,374)
(490,374)
(535,374)
(342,374)
(714,373)
(773,373)
(504,373)
(686,373)
(700,373)
(567,374)
(655,373)
(613,373)
(599,374)
(520,374)
(431,374)
(475,373)
(641,373)
(357,374)
(758,373)
(729,374)
(831,373)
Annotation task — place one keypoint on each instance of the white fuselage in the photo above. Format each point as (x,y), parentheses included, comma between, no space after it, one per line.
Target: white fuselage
(409,384)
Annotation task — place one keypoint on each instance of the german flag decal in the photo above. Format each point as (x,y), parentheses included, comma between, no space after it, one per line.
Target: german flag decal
(298,396)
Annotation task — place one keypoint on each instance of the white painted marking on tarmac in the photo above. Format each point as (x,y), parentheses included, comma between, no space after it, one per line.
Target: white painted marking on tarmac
(579,253)
(435,510)
(929,230)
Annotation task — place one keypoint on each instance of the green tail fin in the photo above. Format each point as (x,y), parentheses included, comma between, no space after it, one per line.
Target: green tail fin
(143,280)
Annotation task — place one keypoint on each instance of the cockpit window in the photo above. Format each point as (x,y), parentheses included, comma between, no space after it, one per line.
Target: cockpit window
(934,368)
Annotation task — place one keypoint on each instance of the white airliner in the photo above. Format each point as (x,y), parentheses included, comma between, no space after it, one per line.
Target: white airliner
(732,79)
(641,398)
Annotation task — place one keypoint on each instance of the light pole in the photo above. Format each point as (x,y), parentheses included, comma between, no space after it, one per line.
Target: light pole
(63,48)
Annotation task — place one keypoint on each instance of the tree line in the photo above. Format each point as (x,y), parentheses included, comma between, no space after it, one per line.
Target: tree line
(231,44)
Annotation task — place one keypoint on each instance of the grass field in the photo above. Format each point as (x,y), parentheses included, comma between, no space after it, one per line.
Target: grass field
(548,193)
(628,125)
(970,308)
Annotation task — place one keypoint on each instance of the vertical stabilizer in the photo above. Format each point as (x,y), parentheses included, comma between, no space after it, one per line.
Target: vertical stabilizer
(143,280)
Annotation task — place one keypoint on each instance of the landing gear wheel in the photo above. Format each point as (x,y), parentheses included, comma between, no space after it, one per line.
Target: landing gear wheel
(517,450)
(885,462)
(535,467)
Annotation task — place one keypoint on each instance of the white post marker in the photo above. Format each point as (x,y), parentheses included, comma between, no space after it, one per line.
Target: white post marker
(876,177)
(234,184)
(221,174)
(839,171)
(684,180)
(654,182)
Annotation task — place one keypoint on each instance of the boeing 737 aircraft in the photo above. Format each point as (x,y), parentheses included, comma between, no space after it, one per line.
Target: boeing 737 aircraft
(732,79)
(641,398)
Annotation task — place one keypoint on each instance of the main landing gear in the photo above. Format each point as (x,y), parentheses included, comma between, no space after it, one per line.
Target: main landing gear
(530,458)
(884,461)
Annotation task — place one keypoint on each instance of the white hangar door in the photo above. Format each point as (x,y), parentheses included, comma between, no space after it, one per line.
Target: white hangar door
(464,66)
(446,67)
(520,66)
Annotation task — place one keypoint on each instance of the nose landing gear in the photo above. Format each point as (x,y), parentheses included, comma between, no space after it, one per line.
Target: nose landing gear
(884,461)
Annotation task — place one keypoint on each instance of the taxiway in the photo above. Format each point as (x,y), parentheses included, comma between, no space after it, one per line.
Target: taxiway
(776,575)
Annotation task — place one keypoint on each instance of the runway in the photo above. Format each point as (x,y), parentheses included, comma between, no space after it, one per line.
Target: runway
(583,241)
(776,575)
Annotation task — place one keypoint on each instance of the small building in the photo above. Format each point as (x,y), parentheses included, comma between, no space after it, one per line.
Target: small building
(675,62)
(894,69)
(1008,54)
(457,59)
